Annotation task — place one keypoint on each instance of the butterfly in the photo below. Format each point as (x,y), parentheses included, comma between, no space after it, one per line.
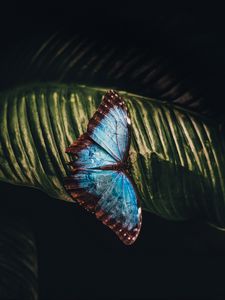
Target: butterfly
(100,179)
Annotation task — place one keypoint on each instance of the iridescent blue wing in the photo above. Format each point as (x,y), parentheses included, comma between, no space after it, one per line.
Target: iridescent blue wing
(111,196)
(86,154)
(110,126)
(107,139)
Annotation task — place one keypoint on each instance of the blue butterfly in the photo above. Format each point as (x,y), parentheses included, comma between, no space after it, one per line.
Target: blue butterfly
(100,179)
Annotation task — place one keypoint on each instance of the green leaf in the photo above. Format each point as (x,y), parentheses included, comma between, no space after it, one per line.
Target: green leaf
(177,156)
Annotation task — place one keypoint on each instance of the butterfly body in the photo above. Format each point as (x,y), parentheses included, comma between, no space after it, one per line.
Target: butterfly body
(100,180)
(121,166)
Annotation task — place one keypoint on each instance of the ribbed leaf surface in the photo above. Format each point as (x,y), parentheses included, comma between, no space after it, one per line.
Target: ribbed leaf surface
(99,61)
(177,156)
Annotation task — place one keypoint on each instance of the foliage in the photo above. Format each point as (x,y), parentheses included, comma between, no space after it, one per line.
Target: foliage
(176,156)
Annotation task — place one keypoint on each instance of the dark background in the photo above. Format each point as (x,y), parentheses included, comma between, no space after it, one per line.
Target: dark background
(78,257)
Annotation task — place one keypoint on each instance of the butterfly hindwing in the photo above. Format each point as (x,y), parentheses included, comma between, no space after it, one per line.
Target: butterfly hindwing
(119,209)
(111,196)
(87,154)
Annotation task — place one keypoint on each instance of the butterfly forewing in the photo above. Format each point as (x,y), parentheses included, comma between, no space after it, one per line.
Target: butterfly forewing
(110,126)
